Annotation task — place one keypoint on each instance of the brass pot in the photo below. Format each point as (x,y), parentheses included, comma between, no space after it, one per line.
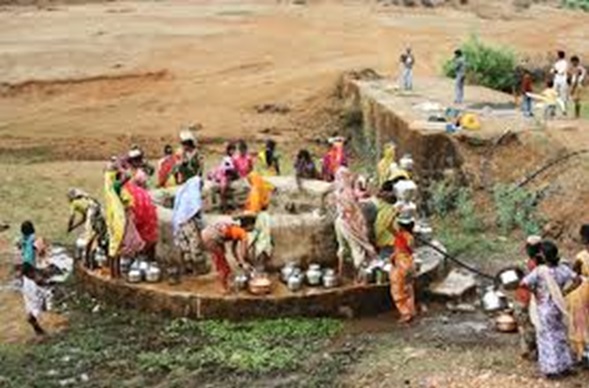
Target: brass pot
(506,323)
(260,285)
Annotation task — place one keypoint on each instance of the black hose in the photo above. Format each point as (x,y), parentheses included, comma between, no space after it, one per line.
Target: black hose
(455,260)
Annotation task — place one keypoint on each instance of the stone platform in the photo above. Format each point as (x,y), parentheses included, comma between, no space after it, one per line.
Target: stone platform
(389,114)
(202,298)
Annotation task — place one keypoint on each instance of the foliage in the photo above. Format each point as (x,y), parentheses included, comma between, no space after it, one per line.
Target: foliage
(576,4)
(466,208)
(515,208)
(487,65)
(115,346)
(443,197)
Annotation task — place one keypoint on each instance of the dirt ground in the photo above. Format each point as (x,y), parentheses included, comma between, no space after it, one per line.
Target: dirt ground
(81,82)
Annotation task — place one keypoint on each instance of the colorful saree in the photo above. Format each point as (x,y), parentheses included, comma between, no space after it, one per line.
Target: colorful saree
(259,195)
(402,275)
(578,309)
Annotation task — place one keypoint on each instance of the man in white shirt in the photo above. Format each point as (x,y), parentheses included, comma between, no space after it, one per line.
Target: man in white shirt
(560,70)
(578,75)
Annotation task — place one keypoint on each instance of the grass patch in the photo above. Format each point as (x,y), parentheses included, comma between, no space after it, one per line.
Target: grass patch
(120,348)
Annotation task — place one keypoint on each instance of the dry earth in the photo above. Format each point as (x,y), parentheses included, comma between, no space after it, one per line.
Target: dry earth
(81,82)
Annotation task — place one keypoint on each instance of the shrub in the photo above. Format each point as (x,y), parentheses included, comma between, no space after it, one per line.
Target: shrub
(490,66)
(576,4)
(516,208)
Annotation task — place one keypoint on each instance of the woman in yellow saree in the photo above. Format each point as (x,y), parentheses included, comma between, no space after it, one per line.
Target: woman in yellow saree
(578,301)
(115,217)
(384,165)
(259,195)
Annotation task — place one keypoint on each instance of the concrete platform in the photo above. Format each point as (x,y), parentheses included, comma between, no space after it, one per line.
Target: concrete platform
(201,297)
(392,115)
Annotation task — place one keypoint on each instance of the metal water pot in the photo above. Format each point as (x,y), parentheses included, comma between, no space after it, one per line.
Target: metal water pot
(313,275)
(330,279)
(287,271)
(295,281)
(493,300)
(153,274)
(509,278)
(366,275)
(134,276)
(80,250)
(240,281)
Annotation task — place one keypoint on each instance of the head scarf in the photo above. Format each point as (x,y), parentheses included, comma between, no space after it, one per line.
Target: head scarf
(385,163)
(74,193)
(188,202)
(260,193)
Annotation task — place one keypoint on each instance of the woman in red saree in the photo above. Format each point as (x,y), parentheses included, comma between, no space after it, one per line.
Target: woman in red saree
(144,216)
(402,273)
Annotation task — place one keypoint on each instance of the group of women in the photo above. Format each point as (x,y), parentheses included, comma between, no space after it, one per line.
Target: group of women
(555,322)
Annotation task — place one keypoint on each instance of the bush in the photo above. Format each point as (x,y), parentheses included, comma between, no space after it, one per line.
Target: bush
(576,4)
(516,208)
(493,67)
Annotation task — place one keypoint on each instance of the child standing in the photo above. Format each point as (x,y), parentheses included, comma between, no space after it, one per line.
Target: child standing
(27,244)
(33,296)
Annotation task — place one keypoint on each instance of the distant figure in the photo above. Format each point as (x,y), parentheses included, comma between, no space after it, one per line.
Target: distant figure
(334,158)
(578,74)
(243,161)
(224,174)
(189,162)
(525,88)
(560,70)
(407,62)
(27,247)
(268,160)
(460,76)
(165,168)
(305,166)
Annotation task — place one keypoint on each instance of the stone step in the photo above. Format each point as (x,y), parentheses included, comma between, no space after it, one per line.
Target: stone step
(458,284)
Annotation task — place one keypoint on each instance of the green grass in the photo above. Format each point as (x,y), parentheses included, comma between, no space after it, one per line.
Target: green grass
(125,348)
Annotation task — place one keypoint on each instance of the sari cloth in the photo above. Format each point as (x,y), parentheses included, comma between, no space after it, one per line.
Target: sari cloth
(187,222)
(188,203)
(244,164)
(144,212)
(267,167)
(384,164)
(402,275)
(114,214)
(350,226)
(385,223)
(165,171)
(261,238)
(548,313)
(260,193)
(578,309)
(333,160)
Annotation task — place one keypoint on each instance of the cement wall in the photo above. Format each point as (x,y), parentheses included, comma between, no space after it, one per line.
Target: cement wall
(432,151)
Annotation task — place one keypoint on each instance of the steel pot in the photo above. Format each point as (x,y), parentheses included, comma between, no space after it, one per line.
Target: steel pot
(493,300)
(80,251)
(295,282)
(313,275)
(366,275)
(134,276)
(287,270)
(126,264)
(101,259)
(509,278)
(153,274)
(330,279)
(240,281)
